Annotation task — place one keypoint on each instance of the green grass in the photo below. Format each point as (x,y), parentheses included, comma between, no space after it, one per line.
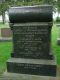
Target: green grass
(55,47)
(6,49)
(4,25)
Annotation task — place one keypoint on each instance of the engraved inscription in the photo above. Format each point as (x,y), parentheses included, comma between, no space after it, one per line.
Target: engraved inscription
(31,40)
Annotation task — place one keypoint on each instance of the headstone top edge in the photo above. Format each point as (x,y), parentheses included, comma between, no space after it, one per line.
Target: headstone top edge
(31,14)
(32,6)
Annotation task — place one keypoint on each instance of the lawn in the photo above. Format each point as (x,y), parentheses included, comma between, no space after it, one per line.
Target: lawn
(6,48)
(55,47)
(4,25)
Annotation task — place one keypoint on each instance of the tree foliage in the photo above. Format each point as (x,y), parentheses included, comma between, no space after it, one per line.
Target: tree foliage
(58,5)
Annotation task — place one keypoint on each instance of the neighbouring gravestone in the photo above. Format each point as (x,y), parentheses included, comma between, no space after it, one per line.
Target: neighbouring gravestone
(6,32)
(58,39)
(58,26)
(31,28)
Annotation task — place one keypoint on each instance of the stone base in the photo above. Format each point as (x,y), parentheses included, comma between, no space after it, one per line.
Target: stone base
(4,39)
(15,76)
(32,66)
(58,41)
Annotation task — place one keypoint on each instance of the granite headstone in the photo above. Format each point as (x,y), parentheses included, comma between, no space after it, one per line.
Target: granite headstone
(31,27)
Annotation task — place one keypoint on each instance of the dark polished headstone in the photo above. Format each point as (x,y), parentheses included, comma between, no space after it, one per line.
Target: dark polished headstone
(31,28)
(32,40)
(41,13)
(32,66)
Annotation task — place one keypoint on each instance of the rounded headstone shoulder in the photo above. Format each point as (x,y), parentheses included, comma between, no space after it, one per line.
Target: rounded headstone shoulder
(31,14)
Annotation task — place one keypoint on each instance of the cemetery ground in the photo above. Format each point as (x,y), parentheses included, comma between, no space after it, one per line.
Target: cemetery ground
(6,48)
